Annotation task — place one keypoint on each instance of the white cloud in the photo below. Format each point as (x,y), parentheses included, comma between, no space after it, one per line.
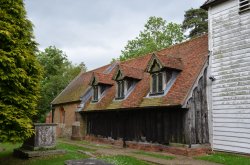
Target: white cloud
(95,31)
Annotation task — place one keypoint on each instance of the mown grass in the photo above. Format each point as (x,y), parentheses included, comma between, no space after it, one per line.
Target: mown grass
(166,157)
(6,157)
(123,160)
(226,158)
(7,148)
(87,143)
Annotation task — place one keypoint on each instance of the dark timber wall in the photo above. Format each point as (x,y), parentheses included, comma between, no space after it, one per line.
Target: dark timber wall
(162,125)
(151,125)
(196,118)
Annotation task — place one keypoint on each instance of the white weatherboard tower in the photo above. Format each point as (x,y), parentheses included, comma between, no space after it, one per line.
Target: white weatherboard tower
(229,65)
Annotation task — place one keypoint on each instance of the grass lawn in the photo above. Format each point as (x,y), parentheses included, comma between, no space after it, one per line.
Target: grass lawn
(87,143)
(6,157)
(226,158)
(155,155)
(123,160)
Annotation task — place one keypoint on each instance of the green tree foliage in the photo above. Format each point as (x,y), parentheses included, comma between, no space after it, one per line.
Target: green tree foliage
(58,72)
(196,22)
(20,72)
(157,34)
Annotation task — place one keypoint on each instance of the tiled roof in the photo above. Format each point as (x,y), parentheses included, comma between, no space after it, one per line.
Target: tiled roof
(76,87)
(103,78)
(130,72)
(189,57)
(211,2)
(171,62)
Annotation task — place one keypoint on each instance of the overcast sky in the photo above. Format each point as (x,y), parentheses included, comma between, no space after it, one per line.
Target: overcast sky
(95,31)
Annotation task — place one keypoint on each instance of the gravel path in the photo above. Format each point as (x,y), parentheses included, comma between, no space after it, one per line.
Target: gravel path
(115,150)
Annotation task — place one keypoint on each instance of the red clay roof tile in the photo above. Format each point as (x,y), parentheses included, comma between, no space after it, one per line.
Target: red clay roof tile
(129,71)
(189,56)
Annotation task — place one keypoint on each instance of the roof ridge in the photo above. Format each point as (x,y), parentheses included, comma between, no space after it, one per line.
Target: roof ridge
(171,46)
(183,43)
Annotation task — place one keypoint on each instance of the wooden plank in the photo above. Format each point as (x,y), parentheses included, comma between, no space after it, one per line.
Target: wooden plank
(232,115)
(227,98)
(232,28)
(166,128)
(232,57)
(231,129)
(232,49)
(231,124)
(223,71)
(231,85)
(232,136)
(232,120)
(231,143)
(223,107)
(221,147)
(239,111)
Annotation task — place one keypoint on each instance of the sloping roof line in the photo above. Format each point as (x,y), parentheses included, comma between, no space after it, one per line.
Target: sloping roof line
(189,56)
(102,78)
(77,87)
(209,3)
(128,71)
(167,61)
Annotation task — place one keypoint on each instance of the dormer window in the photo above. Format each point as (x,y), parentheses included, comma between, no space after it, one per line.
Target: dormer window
(157,75)
(98,90)
(157,83)
(126,78)
(161,70)
(100,83)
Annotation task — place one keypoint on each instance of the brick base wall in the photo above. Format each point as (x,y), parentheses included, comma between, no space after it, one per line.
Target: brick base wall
(185,151)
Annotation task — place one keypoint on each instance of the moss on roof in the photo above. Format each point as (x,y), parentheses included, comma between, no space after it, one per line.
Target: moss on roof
(190,56)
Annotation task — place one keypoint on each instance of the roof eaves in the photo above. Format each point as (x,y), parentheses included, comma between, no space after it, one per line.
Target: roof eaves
(209,3)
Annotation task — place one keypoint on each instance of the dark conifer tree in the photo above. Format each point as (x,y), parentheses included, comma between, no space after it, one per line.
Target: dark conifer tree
(20,72)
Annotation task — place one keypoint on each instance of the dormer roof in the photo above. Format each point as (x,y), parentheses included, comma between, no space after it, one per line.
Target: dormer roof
(126,71)
(168,61)
(101,78)
(189,57)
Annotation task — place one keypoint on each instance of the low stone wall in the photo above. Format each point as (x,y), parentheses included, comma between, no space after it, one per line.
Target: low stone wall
(185,151)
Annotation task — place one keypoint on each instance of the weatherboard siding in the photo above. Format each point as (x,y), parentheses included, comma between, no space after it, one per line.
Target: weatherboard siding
(230,65)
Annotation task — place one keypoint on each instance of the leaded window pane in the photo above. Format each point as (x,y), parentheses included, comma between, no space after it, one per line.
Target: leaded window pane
(95,93)
(160,82)
(102,89)
(154,83)
(120,90)
(129,84)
